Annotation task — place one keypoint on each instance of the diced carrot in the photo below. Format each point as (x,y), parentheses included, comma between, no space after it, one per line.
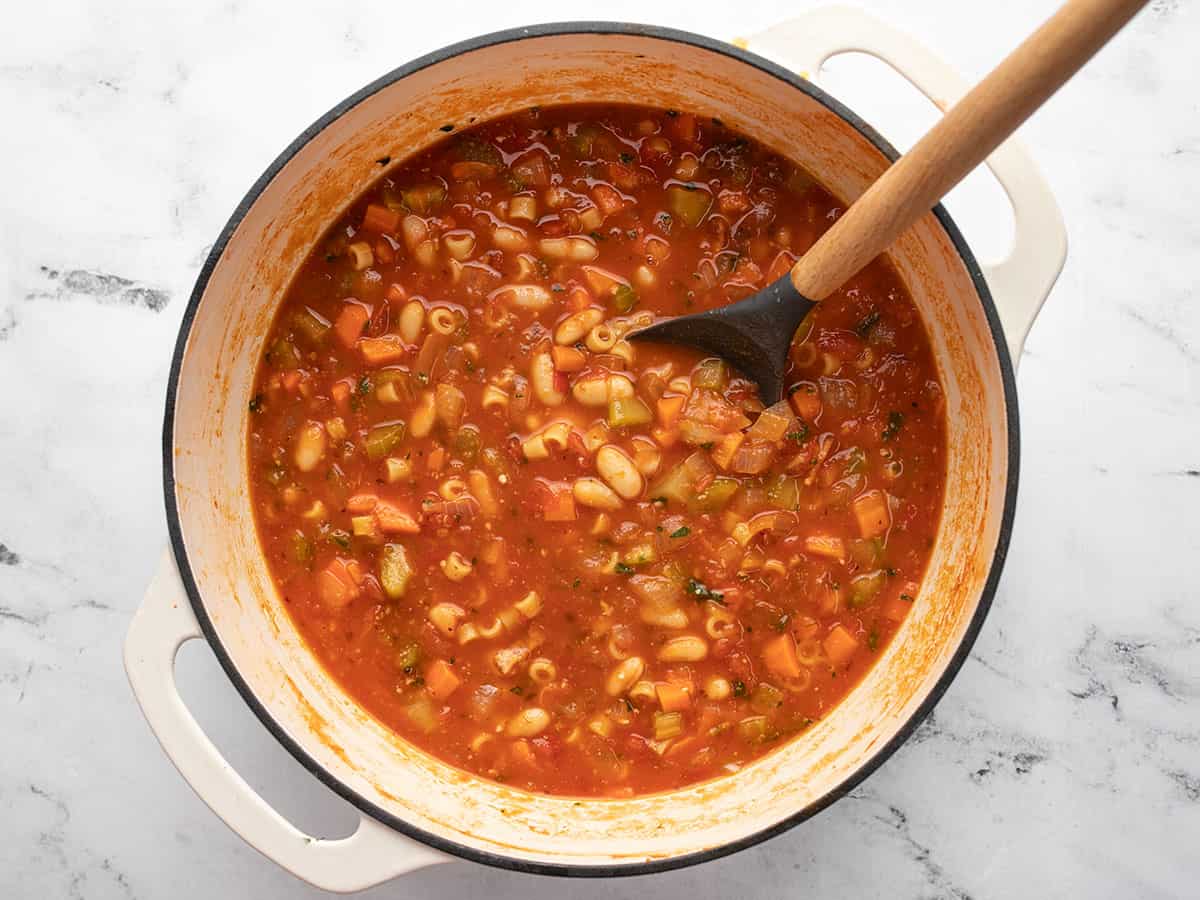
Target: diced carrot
(380,351)
(568,359)
(380,218)
(290,380)
(350,324)
(336,583)
(806,401)
(437,459)
(361,503)
(722,454)
(840,645)
(340,390)
(394,520)
(672,697)
(826,545)
(871,511)
(440,679)
(669,409)
(779,653)
(559,503)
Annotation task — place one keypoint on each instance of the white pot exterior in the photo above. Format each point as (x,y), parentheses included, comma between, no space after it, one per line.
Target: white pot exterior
(230,586)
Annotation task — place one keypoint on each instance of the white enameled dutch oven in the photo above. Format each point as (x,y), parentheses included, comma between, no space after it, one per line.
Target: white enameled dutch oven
(417,811)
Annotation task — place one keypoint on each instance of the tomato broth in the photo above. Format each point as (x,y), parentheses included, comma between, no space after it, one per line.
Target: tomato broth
(555,558)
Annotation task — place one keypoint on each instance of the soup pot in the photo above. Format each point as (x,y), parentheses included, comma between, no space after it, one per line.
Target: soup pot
(214,583)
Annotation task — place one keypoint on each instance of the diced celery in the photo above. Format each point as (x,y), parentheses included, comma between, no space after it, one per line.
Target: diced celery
(689,203)
(283,355)
(766,697)
(784,492)
(472,149)
(711,373)
(864,588)
(625,298)
(757,730)
(424,198)
(396,384)
(408,656)
(627,412)
(301,548)
(383,439)
(311,324)
(714,497)
(867,553)
(667,725)
(395,570)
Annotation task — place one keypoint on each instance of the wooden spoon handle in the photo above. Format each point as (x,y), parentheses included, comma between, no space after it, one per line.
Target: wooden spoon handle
(964,137)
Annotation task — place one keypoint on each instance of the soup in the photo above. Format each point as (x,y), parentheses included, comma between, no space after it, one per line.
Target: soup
(555,558)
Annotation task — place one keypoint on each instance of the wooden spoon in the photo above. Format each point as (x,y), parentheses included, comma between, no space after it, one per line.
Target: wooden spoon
(755,334)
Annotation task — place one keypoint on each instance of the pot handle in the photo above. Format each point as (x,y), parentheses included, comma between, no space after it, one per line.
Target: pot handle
(1019,283)
(373,854)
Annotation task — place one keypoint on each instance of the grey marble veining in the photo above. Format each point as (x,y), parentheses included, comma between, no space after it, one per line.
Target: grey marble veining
(1064,761)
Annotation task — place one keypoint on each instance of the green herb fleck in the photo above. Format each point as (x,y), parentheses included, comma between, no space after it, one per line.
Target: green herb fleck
(701,591)
(894,423)
(364,386)
(626,158)
(622,569)
(256,403)
(866,323)
(681,532)
(873,639)
(739,689)
(800,435)
(907,598)
(516,689)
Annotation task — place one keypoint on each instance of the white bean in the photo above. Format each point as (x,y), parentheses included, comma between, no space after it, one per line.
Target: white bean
(618,470)
(624,675)
(310,447)
(528,722)
(595,493)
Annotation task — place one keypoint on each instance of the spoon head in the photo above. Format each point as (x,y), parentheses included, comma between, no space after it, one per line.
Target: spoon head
(752,335)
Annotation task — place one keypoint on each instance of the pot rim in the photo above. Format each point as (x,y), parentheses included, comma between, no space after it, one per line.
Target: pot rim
(178,546)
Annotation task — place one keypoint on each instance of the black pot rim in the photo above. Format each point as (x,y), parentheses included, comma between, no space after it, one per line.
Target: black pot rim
(571,869)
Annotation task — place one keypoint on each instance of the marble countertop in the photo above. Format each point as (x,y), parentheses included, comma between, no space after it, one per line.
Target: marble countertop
(1065,759)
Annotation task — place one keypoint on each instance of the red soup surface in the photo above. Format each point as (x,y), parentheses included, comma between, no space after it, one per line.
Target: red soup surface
(549,556)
